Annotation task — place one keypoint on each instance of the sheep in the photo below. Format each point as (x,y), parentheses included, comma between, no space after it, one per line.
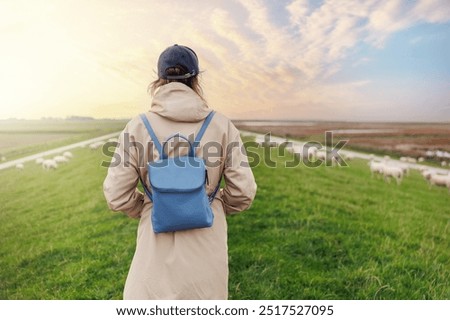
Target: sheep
(19,166)
(439,180)
(387,158)
(394,172)
(348,157)
(312,152)
(430,154)
(49,164)
(421,159)
(60,159)
(321,155)
(39,160)
(376,168)
(428,173)
(96,145)
(443,163)
(405,168)
(68,155)
(411,160)
(403,159)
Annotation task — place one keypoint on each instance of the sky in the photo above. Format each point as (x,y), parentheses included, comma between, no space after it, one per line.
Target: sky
(367,60)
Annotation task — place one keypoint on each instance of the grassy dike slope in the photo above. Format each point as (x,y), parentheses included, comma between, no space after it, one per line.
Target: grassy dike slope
(324,233)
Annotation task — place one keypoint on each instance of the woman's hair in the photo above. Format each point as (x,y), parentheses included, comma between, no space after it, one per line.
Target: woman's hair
(192,82)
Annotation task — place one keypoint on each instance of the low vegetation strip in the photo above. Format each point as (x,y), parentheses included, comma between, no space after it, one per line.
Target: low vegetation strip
(323,233)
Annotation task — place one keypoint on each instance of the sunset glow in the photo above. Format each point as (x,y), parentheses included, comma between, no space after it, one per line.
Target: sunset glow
(296,59)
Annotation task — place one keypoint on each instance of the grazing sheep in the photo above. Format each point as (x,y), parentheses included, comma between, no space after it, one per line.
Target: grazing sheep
(321,155)
(403,159)
(430,154)
(394,172)
(60,159)
(96,145)
(49,164)
(348,157)
(68,155)
(421,159)
(376,168)
(19,166)
(439,180)
(443,163)
(39,160)
(411,160)
(405,168)
(427,174)
(312,151)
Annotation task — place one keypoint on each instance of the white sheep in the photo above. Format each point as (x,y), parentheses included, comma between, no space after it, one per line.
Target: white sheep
(49,164)
(376,168)
(421,159)
(411,160)
(430,154)
(96,145)
(68,155)
(439,180)
(321,155)
(39,160)
(312,152)
(394,172)
(428,173)
(387,158)
(19,166)
(405,168)
(443,163)
(60,159)
(348,157)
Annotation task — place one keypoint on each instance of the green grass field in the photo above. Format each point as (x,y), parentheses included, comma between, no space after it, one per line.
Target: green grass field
(324,233)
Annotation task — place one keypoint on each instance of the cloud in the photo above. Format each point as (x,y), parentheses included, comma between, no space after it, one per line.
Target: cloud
(254,58)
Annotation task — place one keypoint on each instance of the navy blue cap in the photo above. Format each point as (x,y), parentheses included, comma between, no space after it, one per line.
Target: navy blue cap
(181,56)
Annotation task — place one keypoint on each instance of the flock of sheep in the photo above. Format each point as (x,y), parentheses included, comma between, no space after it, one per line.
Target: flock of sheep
(442,156)
(388,169)
(385,168)
(49,164)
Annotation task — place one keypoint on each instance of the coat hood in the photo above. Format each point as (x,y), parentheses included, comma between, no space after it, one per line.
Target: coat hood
(177,102)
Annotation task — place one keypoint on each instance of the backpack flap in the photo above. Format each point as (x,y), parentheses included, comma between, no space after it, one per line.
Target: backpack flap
(180,174)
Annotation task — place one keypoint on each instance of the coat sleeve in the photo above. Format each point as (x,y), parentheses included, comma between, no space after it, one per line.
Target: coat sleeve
(240,185)
(120,185)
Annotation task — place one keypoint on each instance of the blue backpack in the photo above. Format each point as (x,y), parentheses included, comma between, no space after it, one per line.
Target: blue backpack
(179,197)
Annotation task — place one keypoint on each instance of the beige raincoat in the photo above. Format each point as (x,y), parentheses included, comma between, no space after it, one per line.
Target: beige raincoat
(189,264)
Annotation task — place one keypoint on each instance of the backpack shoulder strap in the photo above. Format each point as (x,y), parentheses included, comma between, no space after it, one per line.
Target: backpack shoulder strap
(152,135)
(203,128)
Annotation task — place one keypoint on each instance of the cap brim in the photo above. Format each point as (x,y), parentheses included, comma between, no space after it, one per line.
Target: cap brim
(181,77)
